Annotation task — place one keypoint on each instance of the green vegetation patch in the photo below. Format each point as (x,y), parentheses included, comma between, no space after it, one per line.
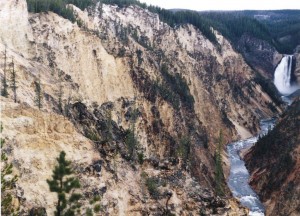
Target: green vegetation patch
(58,6)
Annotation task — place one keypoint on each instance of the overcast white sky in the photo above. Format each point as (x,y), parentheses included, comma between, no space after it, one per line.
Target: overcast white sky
(226,4)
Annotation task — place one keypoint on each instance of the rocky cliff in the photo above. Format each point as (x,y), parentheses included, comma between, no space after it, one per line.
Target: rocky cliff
(33,141)
(296,71)
(259,54)
(274,165)
(122,69)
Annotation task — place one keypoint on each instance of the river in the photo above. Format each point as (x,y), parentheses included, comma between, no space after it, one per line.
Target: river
(239,175)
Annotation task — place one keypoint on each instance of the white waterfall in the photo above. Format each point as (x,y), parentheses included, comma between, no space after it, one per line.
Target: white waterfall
(282,76)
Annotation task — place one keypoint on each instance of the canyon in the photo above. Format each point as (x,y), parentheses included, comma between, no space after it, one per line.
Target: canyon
(121,70)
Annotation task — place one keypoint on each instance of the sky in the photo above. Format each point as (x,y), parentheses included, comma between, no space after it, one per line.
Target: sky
(201,5)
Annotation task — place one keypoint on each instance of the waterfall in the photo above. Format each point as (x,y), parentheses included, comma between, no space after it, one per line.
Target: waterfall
(282,76)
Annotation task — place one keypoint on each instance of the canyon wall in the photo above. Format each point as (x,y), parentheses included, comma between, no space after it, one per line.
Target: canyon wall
(125,66)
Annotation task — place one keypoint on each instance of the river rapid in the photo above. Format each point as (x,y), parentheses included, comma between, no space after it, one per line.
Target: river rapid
(239,175)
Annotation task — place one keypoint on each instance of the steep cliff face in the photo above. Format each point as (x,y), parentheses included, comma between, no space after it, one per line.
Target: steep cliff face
(14,14)
(259,54)
(274,165)
(34,140)
(124,64)
(297,66)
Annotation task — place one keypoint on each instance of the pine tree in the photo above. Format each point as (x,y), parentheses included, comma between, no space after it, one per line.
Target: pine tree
(60,94)
(219,176)
(4,91)
(131,140)
(38,93)
(184,149)
(109,124)
(13,80)
(63,184)
(67,105)
(7,183)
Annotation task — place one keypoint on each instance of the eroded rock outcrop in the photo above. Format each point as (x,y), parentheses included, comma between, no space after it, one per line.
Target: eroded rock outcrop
(34,140)
(174,81)
(259,54)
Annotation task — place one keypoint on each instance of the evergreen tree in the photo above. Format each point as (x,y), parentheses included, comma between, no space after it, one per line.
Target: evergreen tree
(67,105)
(13,80)
(131,140)
(63,184)
(219,176)
(59,6)
(109,124)
(139,54)
(38,93)
(60,94)
(184,149)
(4,91)
(7,183)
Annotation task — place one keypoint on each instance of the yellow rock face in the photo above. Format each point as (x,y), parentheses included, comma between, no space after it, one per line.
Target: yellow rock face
(84,62)
(36,138)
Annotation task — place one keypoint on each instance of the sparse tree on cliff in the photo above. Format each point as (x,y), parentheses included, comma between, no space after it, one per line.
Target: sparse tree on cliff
(131,140)
(13,80)
(67,105)
(184,149)
(64,185)
(60,94)
(109,124)
(4,91)
(38,93)
(139,54)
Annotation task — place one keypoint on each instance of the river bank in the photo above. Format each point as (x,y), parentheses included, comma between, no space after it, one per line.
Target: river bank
(239,175)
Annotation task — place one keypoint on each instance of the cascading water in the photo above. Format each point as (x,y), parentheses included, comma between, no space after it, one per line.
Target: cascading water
(282,76)
(239,175)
